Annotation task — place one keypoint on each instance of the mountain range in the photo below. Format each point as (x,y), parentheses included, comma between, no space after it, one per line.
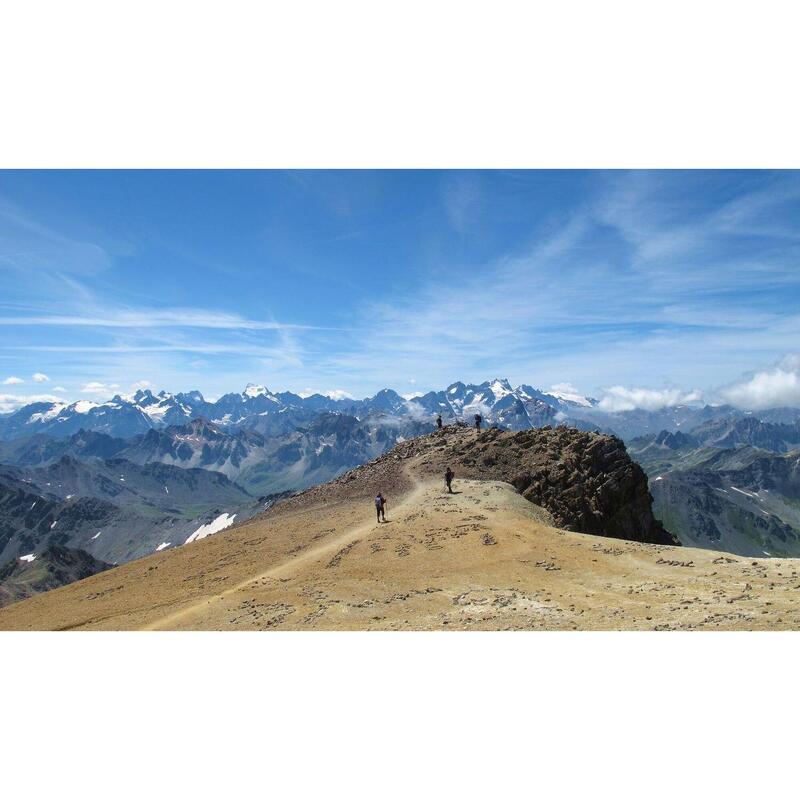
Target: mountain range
(272,413)
(113,509)
(260,410)
(731,484)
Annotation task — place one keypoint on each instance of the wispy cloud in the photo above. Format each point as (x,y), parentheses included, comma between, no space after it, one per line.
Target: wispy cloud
(11,402)
(29,245)
(155,318)
(99,388)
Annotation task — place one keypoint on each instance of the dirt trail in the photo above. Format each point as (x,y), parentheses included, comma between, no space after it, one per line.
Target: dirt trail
(350,536)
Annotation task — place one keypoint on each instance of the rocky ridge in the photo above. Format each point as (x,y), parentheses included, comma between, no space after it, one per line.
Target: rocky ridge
(585,480)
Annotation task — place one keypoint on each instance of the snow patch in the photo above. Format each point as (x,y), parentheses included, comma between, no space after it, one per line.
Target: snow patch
(46,416)
(747,494)
(30,557)
(96,535)
(55,522)
(220,523)
(83,406)
(163,545)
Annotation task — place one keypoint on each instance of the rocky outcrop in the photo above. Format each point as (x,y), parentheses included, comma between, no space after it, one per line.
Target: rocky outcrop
(585,480)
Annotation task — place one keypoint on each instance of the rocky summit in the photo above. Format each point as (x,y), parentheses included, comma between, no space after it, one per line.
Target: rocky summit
(586,481)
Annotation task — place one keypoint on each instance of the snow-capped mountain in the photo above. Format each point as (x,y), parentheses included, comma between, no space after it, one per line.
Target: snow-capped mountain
(129,415)
(275,414)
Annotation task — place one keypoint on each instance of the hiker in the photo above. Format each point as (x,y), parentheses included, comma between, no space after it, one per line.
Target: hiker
(478,420)
(439,422)
(448,479)
(380,506)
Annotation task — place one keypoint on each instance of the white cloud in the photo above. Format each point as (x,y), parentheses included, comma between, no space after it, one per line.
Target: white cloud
(11,402)
(12,380)
(779,386)
(412,395)
(416,411)
(59,389)
(95,387)
(621,398)
(40,377)
(141,385)
(333,394)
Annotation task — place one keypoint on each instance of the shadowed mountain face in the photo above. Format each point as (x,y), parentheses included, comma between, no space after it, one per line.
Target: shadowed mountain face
(735,432)
(54,567)
(715,489)
(314,453)
(114,509)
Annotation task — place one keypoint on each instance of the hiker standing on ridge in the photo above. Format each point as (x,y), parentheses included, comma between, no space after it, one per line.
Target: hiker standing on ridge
(478,420)
(448,479)
(439,422)
(380,506)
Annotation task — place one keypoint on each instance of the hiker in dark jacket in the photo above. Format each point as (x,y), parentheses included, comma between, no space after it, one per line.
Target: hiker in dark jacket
(380,506)
(448,479)
(439,422)
(478,420)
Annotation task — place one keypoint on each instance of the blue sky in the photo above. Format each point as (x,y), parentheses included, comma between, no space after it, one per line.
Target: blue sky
(636,287)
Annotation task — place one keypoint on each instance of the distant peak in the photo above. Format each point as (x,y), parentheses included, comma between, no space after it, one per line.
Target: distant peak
(255,390)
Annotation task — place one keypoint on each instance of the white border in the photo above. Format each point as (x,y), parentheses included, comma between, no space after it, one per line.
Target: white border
(398,715)
(452,83)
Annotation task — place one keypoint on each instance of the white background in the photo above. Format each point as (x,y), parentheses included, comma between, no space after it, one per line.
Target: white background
(433,84)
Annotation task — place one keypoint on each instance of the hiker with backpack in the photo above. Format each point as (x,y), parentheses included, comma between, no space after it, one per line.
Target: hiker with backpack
(439,422)
(380,506)
(478,420)
(448,479)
